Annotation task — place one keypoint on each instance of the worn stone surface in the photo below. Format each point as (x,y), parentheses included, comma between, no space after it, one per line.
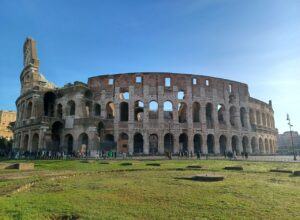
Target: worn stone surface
(19,166)
(139,113)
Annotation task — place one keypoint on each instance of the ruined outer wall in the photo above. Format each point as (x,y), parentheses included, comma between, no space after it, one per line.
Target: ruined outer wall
(257,134)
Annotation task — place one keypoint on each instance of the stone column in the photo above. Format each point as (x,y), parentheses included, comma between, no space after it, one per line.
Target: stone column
(191,141)
(130,142)
(203,116)
(240,145)
(176,146)
(117,113)
(29,141)
(161,142)
(215,120)
(21,146)
(217,144)
(131,104)
(41,137)
(204,144)
(228,145)
(146,142)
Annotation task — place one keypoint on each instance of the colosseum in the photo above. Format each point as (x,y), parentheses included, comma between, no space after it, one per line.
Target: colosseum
(144,113)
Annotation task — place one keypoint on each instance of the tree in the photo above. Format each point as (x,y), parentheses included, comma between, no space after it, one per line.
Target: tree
(11,126)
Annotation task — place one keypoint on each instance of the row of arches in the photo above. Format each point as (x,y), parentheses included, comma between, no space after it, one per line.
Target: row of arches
(52,109)
(261,118)
(247,145)
(57,144)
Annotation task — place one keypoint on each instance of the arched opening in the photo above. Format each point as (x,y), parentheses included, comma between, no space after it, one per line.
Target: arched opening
(245,143)
(232,113)
(223,144)
(110,110)
(168,110)
(35,143)
(168,143)
(69,144)
(138,144)
(197,143)
(59,111)
(57,128)
(183,142)
(209,115)
(254,145)
(153,110)
(243,117)
(221,114)
(182,112)
(97,110)
(100,130)
(261,146)
(25,143)
(83,141)
(123,142)
(124,94)
(267,149)
(29,110)
(153,143)
(108,143)
(88,108)
(138,110)
(71,107)
(123,111)
(196,112)
(210,143)
(251,115)
(235,144)
(88,95)
(180,95)
(49,102)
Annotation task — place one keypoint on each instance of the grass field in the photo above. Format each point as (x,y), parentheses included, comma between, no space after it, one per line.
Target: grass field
(78,190)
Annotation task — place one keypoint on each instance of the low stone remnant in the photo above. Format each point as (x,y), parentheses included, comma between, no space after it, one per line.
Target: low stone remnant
(281,171)
(194,167)
(19,166)
(153,164)
(208,177)
(126,164)
(233,168)
(88,161)
(204,178)
(296,173)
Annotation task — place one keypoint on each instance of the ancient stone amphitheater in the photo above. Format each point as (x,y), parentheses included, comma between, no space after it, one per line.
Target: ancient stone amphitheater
(140,113)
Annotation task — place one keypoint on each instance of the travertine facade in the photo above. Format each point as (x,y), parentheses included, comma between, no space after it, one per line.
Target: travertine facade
(6,117)
(149,113)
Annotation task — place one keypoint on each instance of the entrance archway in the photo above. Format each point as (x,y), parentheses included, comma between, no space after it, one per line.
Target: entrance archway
(223,144)
(168,143)
(138,144)
(183,142)
(197,143)
(210,143)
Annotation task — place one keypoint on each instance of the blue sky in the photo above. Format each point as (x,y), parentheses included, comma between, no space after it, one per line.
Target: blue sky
(256,42)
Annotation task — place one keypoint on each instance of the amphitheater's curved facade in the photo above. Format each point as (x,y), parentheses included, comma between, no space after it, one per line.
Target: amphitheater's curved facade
(142,113)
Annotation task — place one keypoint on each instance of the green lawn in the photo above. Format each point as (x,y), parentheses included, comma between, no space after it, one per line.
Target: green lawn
(58,189)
